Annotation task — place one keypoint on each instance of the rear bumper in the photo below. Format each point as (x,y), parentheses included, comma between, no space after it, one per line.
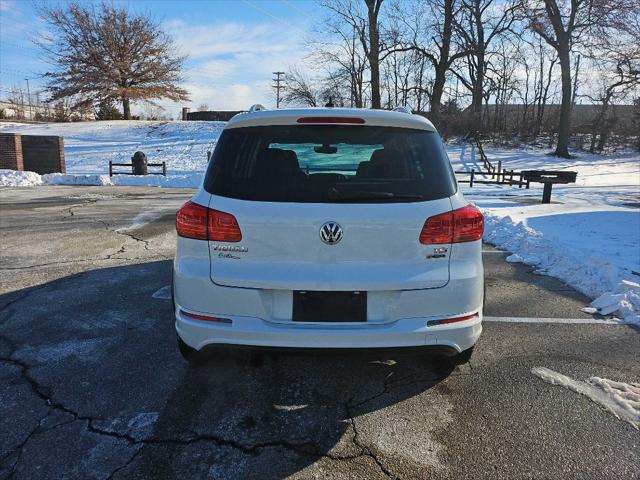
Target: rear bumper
(410,332)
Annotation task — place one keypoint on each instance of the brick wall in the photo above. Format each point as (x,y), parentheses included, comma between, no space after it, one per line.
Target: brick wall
(43,154)
(11,151)
(216,115)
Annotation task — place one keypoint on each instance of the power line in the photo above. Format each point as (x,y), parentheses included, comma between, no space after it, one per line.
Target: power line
(294,7)
(278,86)
(275,17)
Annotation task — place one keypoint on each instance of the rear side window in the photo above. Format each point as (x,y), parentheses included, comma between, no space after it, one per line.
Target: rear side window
(330,164)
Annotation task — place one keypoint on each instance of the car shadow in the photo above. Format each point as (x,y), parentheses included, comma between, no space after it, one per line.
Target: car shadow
(101,349)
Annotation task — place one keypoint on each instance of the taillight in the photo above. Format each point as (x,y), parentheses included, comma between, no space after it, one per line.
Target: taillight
(465,224)
(201,223)
(205,317)
(223,227)
(438,229)
(468,224)
(444,321)
(346,120)
(191,221)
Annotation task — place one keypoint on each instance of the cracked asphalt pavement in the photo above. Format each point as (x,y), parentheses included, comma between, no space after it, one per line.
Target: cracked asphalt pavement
(93,385)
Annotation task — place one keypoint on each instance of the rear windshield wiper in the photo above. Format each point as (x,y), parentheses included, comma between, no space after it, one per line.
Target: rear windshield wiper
(363,195)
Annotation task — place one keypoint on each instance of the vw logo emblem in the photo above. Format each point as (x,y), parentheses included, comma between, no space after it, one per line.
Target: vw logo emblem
(331,233)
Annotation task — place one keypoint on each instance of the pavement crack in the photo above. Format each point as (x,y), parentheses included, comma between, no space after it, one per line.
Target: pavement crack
(366,451)
(307,448)
(71,213)
(18,449)
(126,464)
(124,233)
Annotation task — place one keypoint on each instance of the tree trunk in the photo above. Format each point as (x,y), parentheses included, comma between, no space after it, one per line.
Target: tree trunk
(477,93)
(436,94)
(444,62)
(564,125)
(126,109)
(374,55)
(478,86)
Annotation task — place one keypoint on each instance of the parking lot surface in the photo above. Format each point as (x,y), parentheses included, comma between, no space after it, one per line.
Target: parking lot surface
(93,385)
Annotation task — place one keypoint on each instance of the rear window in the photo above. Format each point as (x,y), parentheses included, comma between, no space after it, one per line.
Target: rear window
(330,164)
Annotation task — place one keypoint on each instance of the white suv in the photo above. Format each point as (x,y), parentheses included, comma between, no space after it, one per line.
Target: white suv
(329,228)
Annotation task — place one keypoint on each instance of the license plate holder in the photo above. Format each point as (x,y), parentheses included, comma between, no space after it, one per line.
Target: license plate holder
(320,306)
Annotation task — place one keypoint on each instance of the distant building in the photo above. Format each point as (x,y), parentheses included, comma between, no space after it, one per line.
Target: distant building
(212,116)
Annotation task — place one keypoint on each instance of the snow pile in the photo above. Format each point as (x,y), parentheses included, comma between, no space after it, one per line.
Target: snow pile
(190,180)
(625,299)
(65,179)
(596,275)
(13,178)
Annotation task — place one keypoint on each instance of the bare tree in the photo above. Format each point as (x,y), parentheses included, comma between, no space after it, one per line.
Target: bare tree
(480,22)
(344,63)
(17,101)
(106,53)
(615,55)
(428,29)
(363,18)
(203,107)
(299,89)
(562,23)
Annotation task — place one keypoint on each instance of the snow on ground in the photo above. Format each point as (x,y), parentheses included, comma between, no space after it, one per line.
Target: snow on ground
(589,237)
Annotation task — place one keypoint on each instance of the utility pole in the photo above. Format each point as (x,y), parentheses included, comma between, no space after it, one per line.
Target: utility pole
(29,100)
(278,86)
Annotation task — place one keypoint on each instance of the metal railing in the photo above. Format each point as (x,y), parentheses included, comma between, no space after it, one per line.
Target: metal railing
(112,164)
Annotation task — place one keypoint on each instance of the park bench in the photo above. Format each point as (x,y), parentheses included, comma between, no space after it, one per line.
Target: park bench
(548,178)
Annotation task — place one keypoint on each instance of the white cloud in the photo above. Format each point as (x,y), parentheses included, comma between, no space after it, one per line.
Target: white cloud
(230,64)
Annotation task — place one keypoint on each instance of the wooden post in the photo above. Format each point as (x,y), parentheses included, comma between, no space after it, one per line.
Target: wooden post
(511,178)
(164,168)
(473,172)
(110,168)
(520,181)
(546,193)
(499,169)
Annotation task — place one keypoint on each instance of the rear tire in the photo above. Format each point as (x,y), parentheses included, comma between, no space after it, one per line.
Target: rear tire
(191,355)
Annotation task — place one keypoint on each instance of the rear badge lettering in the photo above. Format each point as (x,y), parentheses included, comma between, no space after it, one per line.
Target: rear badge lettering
(438,252)
(228,255)
(230,248)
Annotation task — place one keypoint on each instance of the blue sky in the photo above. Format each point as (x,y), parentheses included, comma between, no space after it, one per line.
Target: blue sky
(233,45)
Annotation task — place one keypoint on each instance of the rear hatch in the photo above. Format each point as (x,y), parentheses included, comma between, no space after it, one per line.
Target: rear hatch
(331,208)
